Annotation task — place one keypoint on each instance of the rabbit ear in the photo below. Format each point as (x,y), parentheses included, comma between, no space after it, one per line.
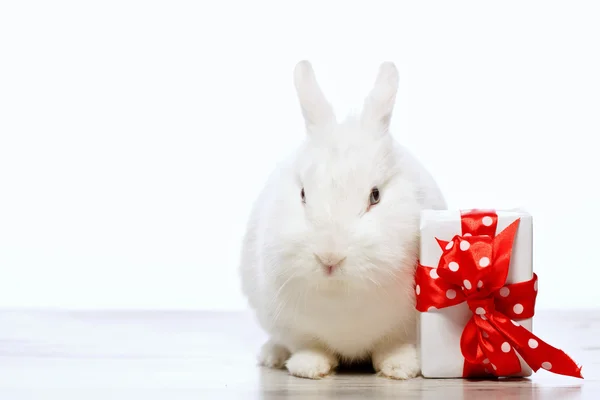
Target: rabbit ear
(316,109)
(378,106)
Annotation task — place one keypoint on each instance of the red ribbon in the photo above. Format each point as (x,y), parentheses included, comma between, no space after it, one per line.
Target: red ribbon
(473,268)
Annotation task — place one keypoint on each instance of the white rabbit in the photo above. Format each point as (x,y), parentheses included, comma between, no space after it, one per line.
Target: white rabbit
(332,242)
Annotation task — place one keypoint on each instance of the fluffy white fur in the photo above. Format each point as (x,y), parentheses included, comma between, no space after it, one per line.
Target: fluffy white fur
(364,309)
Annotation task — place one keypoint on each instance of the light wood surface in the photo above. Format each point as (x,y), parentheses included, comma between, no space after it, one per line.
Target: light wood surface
(203,355)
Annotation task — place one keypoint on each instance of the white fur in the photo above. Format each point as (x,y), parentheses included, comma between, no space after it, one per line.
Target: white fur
(365,308)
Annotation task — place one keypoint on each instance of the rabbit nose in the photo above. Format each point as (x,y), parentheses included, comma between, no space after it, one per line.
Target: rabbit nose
(330,261)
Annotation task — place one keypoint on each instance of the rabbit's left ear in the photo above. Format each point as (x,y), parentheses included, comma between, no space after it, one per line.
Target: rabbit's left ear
(317,111)
(379,104)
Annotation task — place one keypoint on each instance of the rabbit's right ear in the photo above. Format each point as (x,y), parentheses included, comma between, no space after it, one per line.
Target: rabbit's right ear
(377,111)
(316,109)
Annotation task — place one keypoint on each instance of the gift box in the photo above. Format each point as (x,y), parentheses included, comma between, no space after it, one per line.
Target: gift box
(475,290)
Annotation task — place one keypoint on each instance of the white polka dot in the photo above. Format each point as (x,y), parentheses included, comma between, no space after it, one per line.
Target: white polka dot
(487,371)
(464,245)
(547,365)
(480,284)
(484,262)
(467,284)
(453,266)
(432,308)
(505,347)
(515,323)
(449,245)
(487,221)
(486,361)
(433,274)
(451,294)
(518,308)
(533,343)
(418,290)
(535,286)
(479,311)
(504,292)
(493,366)
(485,335)
(483,317)
(467,235)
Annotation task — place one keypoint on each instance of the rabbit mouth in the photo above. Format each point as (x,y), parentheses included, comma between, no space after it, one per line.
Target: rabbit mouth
(330,263)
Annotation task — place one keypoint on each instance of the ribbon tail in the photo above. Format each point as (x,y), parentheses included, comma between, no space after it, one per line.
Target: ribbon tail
(484,345)
(474,355)
(472,371)
(534,351)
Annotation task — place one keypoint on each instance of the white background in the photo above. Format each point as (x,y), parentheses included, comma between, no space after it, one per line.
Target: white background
(134,136)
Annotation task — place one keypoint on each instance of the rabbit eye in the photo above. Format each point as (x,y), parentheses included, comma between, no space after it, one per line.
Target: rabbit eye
(303,195)
(374,198)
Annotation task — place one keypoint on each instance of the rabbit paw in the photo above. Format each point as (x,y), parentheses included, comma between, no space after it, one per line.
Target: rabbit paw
(273,355)
(312,364)
(397,362)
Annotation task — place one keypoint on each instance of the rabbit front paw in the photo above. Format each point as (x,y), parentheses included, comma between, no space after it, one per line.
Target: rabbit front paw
(273,355)
(312,364)
(397,362)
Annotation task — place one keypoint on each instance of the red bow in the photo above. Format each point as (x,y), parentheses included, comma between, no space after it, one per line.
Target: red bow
(473,268)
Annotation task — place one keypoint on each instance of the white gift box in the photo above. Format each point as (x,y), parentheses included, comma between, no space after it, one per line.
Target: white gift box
(440,330)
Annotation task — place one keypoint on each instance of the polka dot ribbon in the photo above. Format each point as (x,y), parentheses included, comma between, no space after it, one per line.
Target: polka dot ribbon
(473,268)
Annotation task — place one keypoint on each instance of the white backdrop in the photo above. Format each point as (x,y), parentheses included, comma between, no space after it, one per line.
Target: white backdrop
(134,135)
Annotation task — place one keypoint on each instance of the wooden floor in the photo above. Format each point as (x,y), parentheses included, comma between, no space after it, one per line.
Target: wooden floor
(200,355)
